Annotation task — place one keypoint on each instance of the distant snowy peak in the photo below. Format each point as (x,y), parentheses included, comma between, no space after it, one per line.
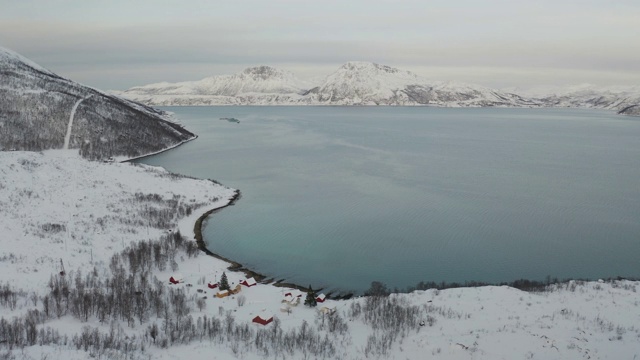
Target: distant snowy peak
(365,83)
(353,83)
(259,79)
(11,59)
(358,82)
(265,73)
(266,79)
(369,68)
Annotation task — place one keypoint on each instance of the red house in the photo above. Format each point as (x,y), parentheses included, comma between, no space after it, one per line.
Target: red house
(321,298)
(175,279)
(262,319)
(212,286)
(249,282)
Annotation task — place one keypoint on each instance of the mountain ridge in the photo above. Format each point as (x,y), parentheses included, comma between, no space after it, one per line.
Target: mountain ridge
(257,79)
(614,98)
(41,110)
(353,83)
(367,83)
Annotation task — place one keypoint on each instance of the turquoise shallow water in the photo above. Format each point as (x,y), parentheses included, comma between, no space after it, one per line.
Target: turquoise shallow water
(341,196)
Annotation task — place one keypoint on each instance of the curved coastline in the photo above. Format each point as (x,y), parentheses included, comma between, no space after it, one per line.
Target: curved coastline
(264,279)
(197,229)
(521,284)
(233,265)
(236,266)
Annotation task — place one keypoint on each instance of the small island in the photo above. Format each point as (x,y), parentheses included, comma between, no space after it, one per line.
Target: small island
(233,120)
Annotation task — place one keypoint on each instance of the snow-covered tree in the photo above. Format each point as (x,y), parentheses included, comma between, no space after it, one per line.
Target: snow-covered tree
(311,298)
(224,282)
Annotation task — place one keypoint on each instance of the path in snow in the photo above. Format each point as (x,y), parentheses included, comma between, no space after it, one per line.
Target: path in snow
(73,113)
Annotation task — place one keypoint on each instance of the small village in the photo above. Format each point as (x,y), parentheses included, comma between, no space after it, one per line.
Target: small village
(246,293)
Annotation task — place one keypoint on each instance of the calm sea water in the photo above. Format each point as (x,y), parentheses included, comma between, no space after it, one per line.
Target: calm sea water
(340,196)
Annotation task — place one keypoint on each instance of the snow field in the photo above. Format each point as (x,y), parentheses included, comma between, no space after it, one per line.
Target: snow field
(58,206)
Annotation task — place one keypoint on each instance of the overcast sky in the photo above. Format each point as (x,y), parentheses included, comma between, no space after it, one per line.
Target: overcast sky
(117,44)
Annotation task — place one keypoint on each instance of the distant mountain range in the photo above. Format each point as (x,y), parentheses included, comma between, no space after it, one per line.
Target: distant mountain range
(365,83)
(616,98)
(40,110)
(354,83)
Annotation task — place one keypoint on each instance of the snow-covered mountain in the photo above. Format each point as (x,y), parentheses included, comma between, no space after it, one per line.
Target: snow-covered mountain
(365,83)
(259,79)
(89,248)
(255,85)
(354,83)
(591,96)
(40,110)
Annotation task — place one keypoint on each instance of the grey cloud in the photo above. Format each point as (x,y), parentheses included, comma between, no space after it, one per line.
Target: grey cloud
(121,56)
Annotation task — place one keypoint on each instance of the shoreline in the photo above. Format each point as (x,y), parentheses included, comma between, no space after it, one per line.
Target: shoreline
(618,112)
(233,265)
(519,283)
(238,267)
(159,151)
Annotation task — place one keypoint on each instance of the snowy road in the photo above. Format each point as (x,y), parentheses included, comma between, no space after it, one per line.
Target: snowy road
(70,125)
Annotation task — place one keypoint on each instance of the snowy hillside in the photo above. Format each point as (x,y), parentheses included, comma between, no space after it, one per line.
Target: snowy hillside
(40,110)
(364,83)
(121,231)
(57,206)
(354,83)
(260,79)
(590,96)
(255,85)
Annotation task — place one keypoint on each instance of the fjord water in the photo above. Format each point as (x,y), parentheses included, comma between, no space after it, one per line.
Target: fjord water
(338,197)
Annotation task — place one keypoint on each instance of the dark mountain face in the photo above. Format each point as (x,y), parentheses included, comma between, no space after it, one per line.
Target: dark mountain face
(633,110)
(36,106)
(262,72)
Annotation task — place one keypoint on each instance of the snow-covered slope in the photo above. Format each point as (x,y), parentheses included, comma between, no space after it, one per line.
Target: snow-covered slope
(11,59)
(58,206)
(365,83)
(254,85)
(354,83)
(260,79)
(591,96)
(40,110)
